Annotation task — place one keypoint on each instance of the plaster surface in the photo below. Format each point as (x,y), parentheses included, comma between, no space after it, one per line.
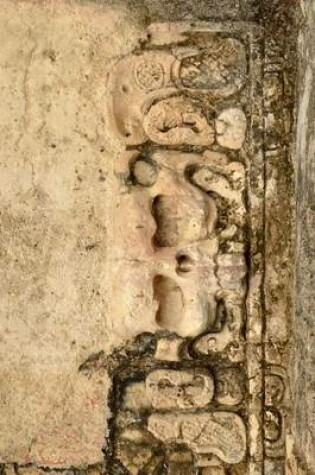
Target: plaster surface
(55,179)
(147,241)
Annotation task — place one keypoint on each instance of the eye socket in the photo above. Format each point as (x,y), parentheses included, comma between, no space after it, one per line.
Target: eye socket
(164,383)
(144,171)
(184,263)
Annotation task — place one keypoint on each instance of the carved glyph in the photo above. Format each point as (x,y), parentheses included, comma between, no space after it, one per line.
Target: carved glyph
(221,434)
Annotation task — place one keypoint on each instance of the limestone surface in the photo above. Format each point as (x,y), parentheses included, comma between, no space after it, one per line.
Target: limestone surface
(56,174)
(146,238)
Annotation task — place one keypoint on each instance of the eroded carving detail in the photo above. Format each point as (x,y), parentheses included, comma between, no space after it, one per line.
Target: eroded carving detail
(221,434)
(178,121)
(173,389)
(191,400)
(219,68)
(276,403)
(171,420)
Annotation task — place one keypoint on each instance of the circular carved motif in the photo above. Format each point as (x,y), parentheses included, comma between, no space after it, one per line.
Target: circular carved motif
(144,171)
(149,74)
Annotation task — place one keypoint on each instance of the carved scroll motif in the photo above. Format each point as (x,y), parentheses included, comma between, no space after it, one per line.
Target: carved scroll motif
(189,398)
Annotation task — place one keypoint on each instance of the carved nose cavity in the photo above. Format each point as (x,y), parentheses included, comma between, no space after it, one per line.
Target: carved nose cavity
(170,300)
(179,220)
(185,264)
(164,211)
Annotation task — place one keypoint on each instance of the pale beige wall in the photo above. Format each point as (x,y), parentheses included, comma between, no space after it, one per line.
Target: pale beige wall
(56,186)
(57,199)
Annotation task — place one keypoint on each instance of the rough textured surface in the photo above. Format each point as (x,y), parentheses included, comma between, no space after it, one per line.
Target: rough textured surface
(55,161)
(146,237)
(305,256)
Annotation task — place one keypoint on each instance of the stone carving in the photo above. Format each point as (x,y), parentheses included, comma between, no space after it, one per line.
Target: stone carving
(192,400)
(221,434)
(190,196)
(230,387)
(199,118)
(231,128)
(173,389)
(145,102)
(220,68)
(276,402)
(177,121)
(169,417)
(135,84)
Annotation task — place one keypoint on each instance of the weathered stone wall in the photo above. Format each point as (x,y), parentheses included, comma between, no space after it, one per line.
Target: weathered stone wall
(55,165)
(147,238)
(304,381)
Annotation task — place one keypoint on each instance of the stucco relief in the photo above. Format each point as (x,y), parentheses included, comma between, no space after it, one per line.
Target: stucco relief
(187,397)
(149,266)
